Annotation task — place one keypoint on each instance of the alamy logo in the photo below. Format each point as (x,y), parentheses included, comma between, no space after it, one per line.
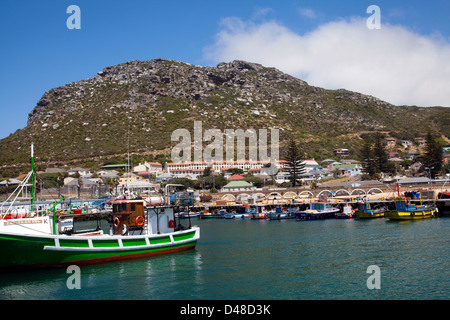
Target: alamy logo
(257,145)
(74,281)
(74,20)
(374,21)
(374,281)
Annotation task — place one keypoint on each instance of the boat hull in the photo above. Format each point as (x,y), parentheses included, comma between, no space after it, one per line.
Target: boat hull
(368,215)
(411,215)
(207,216)
(314,215)
(282,216)
(26,251)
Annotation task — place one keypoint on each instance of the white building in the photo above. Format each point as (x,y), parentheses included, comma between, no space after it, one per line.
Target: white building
(81,171)
(192,170)
(154,168)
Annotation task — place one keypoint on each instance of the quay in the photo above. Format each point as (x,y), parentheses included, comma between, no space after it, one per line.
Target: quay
(443,205)
(339,196)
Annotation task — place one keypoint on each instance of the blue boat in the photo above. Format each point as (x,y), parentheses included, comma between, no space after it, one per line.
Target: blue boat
(317,211)
(241,213)
(259,212)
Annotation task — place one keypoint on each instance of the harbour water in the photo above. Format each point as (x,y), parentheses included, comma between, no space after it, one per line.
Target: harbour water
(268,260)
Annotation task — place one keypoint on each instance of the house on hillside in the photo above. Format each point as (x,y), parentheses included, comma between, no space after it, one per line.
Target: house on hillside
(348,170)
(341,152)
(153,168)
(108,174)
(390,142)
(236,177)
(406,144)
(80,171)
(412,156)
(393,155)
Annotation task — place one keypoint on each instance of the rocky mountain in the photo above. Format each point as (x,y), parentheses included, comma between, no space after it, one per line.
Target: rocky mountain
(137,105)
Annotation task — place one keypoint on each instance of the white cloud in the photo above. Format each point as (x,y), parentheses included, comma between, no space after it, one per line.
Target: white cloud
(307,12)
(393,63)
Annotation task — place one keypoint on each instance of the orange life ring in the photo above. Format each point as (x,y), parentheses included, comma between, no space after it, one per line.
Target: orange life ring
(171,224)
(116,222)
(140,221)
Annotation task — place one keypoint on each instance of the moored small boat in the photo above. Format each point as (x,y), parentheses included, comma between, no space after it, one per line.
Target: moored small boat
(243,212)
(259,212)
(280,214)
(317,211)
(347,212)
(405,210)
(206,214)
(366,210)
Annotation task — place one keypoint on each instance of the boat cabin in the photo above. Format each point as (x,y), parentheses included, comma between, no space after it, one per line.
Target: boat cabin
(132,217)
(127,215)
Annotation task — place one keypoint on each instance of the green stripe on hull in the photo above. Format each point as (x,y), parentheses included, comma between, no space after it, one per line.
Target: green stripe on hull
(74,243)
(160,240)
(133,242)
(184,236)
(105,243)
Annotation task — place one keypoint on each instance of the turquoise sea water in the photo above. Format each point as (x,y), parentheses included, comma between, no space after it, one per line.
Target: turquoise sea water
(268,260)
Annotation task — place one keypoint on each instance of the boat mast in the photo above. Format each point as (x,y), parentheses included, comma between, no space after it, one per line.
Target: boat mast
(33,178)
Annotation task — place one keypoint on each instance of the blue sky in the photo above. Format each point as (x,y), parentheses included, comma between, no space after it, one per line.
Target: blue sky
(38,52)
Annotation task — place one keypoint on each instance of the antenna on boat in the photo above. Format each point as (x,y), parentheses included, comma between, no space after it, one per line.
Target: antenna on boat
(33,178)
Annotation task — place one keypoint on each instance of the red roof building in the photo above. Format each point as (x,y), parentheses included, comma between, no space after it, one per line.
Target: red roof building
(235,177)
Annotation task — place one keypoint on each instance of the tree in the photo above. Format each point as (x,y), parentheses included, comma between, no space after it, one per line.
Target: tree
(380,155)
(296,164)
(207,172)
(211,181)
(256,181)
(367,157)
(433,155)
(238,171)
(186,182)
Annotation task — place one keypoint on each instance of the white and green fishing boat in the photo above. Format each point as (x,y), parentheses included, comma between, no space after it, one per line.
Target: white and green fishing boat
(44,239)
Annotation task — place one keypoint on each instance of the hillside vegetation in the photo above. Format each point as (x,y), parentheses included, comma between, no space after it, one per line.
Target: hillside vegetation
(135,107)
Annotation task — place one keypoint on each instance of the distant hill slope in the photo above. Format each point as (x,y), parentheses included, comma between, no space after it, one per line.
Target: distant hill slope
(137,105)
